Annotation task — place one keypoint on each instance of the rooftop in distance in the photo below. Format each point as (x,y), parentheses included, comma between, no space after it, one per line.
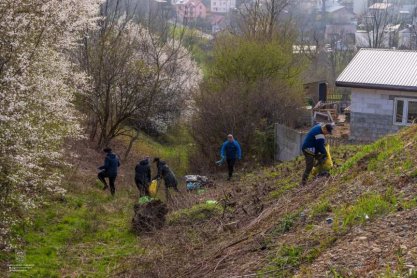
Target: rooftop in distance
(381,69)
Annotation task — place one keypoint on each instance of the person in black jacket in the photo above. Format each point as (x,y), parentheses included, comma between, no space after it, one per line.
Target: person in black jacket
(109,170)
(143,176)
(167,175)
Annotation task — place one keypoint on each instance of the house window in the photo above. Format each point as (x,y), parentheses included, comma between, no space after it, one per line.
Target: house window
(405,111)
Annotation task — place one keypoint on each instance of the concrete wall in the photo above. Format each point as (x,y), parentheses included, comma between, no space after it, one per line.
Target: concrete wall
(372,113)
(370,127)
(288,142)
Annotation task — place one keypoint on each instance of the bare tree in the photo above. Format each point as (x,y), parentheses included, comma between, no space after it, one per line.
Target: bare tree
(259,18)
(141,74)
(377,22)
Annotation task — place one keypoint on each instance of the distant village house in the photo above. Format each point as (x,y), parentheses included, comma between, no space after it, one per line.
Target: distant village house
(222,6)
(190,9)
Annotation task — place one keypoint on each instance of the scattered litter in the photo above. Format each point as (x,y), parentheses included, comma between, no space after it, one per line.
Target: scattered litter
(303,216)
(195,182)
(366,217)
(211,202)
(144,199)
(329,220)
(193,185)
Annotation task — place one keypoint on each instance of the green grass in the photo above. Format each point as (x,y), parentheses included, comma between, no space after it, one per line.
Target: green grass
(284,186)
(286,223)
(86,235)
(287,259)
(320,208)
(373,155)
(175,148)
(408,204)
(290,257)
(336,274)
(370,205)
(196,213)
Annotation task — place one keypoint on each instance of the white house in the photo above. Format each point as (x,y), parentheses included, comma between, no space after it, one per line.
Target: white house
(384,91)
(222,6)
(407,38)
(190,9)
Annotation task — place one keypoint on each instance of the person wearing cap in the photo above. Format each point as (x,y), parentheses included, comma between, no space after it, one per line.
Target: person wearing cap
(314,147)
(143,176)
(109,170)
(230,151)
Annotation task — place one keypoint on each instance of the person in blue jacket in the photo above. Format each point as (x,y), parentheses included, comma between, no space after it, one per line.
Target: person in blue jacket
(109,170)
(230,151)
(314,147)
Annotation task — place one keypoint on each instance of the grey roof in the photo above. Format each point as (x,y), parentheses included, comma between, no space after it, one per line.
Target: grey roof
(381,69)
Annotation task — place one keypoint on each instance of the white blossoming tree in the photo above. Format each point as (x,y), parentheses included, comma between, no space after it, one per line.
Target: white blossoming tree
(37,85)
(141,73)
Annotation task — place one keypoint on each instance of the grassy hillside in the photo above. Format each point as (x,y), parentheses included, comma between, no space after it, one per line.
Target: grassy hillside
(272,227)
(175,148)
(359,223)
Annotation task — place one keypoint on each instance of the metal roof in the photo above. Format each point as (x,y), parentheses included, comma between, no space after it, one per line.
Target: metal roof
(381,69)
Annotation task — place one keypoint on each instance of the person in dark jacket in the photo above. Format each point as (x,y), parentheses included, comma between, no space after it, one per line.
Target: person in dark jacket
(314,147)
(165,173)
(231,151)
(143,176)
(109,170)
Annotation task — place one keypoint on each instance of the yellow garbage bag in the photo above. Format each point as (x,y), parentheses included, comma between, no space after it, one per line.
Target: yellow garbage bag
(153,188)
(326,166)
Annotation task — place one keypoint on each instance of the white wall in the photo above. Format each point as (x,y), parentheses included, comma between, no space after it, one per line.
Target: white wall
(375,101)
(372,113)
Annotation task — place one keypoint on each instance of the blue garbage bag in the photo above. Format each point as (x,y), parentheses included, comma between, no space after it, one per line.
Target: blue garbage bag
(193,185)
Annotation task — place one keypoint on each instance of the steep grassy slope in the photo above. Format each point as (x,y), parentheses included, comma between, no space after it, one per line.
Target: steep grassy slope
(87,233)
(264,225)
(272,227)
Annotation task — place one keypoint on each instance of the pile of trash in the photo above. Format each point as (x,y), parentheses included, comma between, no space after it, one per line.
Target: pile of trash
(195,182)
(149,216)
